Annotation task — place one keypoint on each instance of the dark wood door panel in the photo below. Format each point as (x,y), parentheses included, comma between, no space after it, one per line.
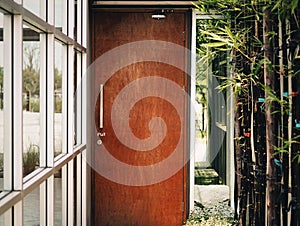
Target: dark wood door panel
(163,201)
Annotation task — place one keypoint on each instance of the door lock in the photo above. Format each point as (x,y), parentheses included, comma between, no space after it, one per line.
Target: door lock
(99,142)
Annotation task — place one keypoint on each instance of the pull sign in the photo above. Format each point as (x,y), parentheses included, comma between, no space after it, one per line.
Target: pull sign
(101,134)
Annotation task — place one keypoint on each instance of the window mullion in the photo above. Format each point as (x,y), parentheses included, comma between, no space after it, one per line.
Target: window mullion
(50,200)
(78,96)
(65,72)
(43,125)
(43,210)
(8,100)
(70,114)
(84,18)
(50,100)
(18,213)
(17,103)
(8,217)
(70,102)
(50,114)
(79,21)
(70,193)
(50,12)
(43,100)
(83,88)
(70,19)
(65,192)
(85,198)
(78,190)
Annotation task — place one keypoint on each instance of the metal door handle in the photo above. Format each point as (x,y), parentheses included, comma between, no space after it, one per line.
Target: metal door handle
(101,107)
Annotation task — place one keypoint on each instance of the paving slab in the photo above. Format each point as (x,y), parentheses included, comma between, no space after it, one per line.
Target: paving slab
(209,195)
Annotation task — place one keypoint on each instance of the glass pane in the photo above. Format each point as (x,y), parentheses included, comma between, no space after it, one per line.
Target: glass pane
(31,208)
(32,5)
(31,99)
(58,198)
(4,218)
(1,103)
(58,73)
(59,14)
(75,19)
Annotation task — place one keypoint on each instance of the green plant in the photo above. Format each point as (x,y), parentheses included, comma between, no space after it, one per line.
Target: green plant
(35,105)
(58,105)
(31,159)
(261,41)
(1,164)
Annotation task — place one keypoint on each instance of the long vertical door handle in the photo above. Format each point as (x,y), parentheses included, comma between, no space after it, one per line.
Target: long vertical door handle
(101,107)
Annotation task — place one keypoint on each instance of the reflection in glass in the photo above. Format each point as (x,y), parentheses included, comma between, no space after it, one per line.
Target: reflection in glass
(58,97)
(59,14)
(31,99)
(75,19)
(33,6)
(1,104)
(58,198)
(3,217)
(31,208)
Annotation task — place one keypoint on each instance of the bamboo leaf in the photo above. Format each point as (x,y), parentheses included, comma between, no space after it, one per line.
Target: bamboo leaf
(214,44)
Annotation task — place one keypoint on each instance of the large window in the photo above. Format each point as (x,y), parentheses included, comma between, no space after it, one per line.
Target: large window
(41,133)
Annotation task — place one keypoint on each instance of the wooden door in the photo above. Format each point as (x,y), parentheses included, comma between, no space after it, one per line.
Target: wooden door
(139,168)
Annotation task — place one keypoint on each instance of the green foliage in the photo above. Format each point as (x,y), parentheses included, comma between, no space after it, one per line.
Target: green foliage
(35,105)
(286,144)
(58,105)
(285,8)
(224,34)
(57,79)
(31,81)
(31,159)
(1,76)
(239,83)
(272,97)
(1,164)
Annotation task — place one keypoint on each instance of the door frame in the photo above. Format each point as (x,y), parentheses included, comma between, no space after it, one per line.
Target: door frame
(229,140)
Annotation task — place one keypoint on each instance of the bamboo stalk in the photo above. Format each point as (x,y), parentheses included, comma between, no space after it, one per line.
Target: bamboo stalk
(269,83)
